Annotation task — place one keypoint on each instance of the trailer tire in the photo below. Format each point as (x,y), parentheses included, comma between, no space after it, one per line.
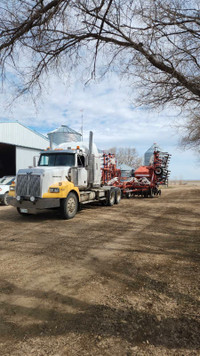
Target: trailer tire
(128,195)
(69,206)
(117,195)
(111,197)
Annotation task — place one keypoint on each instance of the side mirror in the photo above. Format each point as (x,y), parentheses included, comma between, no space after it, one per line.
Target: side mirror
(35,161)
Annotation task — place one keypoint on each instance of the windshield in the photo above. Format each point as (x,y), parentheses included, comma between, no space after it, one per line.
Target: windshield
(57,159)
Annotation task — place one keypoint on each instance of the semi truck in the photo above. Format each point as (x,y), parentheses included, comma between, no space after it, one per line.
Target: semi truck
(64,178)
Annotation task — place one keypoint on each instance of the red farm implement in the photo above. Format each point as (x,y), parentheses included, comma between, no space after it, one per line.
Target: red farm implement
(145,181)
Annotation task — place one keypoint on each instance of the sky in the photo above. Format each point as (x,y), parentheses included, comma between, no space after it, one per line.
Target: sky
(106,108)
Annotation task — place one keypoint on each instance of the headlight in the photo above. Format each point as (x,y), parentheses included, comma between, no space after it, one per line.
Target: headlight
(12,188)
(54,190)
(18,198)
(32,198)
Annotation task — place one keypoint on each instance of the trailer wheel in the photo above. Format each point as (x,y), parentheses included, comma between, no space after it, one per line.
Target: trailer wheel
(128,195)
(111,197)
(117,195)
(69,206)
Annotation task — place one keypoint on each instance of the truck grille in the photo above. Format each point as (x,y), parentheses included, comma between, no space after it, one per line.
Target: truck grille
(28,185)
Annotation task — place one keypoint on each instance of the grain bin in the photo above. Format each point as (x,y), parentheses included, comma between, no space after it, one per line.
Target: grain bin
(148,156)
(63,134)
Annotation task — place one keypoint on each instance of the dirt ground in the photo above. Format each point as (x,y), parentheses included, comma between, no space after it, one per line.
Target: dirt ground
(120,280)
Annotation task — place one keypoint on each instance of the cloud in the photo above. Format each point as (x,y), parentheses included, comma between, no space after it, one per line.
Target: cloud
(105,108)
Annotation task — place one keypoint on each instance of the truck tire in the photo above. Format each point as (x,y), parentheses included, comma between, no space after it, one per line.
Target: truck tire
(111,197)
(69,206)
(5,198)
(117,195)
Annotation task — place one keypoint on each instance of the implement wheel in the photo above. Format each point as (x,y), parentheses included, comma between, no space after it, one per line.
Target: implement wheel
(128,195)
(151,193)
(145,194)
(158,171)
(69,206)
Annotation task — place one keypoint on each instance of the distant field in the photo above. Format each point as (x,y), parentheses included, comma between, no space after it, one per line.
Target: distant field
(184,182)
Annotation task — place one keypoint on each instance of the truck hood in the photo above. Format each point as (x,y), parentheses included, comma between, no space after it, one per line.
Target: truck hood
(54,172)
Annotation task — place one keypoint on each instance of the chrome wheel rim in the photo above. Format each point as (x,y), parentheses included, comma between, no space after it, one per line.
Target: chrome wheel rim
(71,205)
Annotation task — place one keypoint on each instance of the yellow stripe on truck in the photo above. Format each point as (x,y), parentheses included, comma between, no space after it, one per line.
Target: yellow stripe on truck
(65,187)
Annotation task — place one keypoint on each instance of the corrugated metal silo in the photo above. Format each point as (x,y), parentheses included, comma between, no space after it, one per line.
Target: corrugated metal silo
(148,156)
(63,134)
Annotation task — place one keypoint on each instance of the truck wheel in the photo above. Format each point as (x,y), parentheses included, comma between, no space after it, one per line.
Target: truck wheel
(111,197)
(117,195)
(5,198)
(69,206)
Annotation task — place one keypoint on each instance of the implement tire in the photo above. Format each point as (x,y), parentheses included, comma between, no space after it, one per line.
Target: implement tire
(158,171)
(69,206)
(151,193)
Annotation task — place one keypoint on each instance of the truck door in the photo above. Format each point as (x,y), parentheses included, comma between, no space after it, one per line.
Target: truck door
(82,171)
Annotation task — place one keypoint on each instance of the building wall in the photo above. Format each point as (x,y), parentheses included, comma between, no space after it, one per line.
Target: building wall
(24,157)
(16,134)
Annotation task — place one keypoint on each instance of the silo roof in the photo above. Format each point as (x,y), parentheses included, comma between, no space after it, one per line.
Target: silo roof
(65,129)
(153,147)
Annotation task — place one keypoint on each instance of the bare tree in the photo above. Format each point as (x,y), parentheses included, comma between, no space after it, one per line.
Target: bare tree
(191,138)
(155,43)
(126,155)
